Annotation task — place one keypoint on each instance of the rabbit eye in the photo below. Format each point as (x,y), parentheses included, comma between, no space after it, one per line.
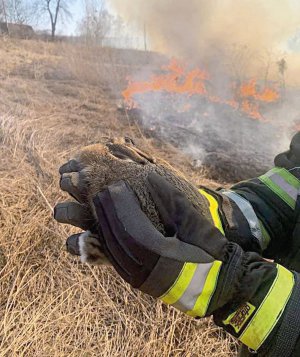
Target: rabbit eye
(128,140)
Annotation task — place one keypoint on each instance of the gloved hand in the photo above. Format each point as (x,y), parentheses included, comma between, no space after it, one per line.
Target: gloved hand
(195,269)
(96,167)
(291,158)
(79,214)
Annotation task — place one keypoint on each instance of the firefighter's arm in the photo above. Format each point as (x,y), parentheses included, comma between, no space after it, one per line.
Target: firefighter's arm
(195,269)
(273,197)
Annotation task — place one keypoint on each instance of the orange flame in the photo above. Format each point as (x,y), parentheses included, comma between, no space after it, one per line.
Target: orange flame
(251,97)
(176,79)
(250,89)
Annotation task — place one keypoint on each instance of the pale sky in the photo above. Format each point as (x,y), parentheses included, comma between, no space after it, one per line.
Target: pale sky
(70,27)
(77,9)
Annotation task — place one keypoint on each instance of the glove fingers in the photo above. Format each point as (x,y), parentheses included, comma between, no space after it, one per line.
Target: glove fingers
(70,166)
(286,160)
(72,244)
(75,214)
(73,184)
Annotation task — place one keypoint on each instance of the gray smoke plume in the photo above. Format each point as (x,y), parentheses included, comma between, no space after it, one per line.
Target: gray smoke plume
(234,40)
(197,30)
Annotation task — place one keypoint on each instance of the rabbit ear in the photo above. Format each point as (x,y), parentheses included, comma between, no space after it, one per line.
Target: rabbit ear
(130,142)
(130,153)
(144,154)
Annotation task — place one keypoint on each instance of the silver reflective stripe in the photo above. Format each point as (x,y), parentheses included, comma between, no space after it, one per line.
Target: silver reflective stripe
(188,300)
(248,212)
(285,186)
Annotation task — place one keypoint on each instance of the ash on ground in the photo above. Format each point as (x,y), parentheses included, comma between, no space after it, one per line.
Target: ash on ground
(226,143)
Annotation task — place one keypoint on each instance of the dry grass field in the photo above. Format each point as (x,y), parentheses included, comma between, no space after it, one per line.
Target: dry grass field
(55,98)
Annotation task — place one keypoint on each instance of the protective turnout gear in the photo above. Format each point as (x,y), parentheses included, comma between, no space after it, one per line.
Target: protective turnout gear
(273,197)
(260,215)
(275,200)
(264,211)
(197,270)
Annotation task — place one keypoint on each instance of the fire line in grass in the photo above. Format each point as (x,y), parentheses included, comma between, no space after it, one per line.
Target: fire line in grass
(248,97)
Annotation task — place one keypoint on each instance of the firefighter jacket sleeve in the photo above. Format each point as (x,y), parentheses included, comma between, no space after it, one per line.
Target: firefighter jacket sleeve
(194,268)
(269,203)
(272,200)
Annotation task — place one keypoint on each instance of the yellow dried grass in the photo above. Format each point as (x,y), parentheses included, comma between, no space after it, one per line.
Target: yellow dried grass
(50,304)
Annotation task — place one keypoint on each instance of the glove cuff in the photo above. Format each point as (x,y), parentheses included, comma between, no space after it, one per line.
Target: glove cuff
(264,295)
(230,277)
(284,340)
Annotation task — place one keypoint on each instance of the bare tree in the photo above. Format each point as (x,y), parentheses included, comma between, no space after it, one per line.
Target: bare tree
(282,68)
(97,22)
(238,60)
(16,11)
(3,16)
(54,10)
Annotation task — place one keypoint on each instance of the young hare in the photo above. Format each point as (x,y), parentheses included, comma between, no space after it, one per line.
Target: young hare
(100,165)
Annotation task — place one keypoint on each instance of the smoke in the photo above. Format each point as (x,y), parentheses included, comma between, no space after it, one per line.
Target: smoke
(184,26)
(202,30)
(233,40)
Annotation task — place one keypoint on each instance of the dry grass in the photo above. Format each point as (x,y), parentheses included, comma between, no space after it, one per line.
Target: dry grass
(51,305)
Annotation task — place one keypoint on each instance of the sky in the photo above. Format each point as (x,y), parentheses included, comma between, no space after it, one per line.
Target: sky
(70,27)
(77,8)
(130,37)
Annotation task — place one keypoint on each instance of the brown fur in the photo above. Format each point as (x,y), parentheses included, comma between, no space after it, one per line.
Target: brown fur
(120,159)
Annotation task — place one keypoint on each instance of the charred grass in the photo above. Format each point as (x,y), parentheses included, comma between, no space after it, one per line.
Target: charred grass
(54,98)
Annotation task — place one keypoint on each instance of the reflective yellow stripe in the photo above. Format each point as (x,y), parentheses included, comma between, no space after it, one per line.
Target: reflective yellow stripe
(184,291)
(210,285)
(214,210)
(284,184)
(270,310)
(289,177)
(180,285)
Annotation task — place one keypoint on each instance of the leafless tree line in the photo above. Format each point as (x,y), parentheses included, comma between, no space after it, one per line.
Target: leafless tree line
(96,24)
(35,11)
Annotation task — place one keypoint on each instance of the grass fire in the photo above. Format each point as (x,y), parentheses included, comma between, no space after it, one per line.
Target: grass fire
(177,80)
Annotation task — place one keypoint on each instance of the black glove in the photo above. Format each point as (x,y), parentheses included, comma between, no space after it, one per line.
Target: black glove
(195,269)
(86,244)
(291,158)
